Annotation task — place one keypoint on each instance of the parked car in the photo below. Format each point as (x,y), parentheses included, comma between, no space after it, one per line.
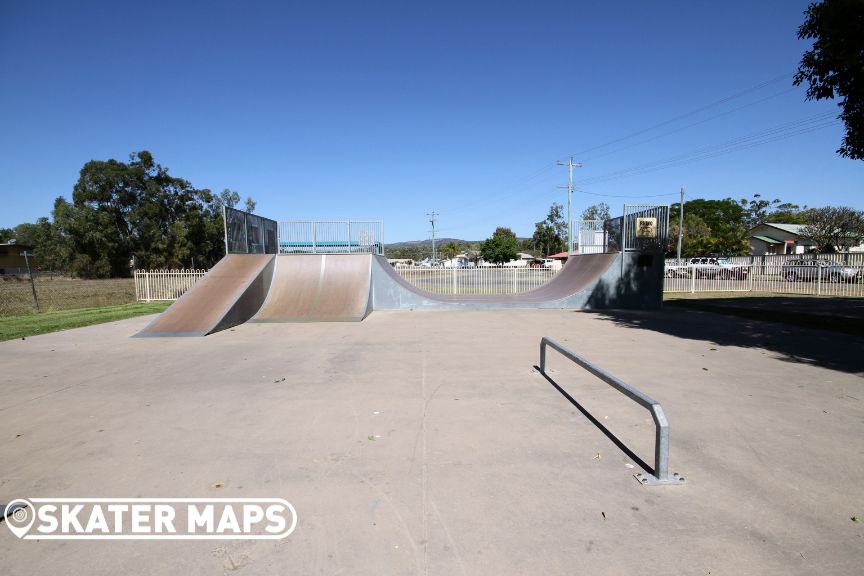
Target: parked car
(824,270)
(720,268)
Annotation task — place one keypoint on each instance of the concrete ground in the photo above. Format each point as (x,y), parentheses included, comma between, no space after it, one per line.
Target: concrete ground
(426,443)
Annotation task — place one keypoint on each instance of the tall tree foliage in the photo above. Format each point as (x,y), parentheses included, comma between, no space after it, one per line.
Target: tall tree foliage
(758,210)
(725,221)
(125,211)
(597,212)
(550,235)
(501,247)
(834,66)
(120,211)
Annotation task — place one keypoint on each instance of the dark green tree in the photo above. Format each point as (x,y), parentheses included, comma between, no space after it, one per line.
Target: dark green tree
(450,250)
(501,247)
(596,212)
(724,218)
(50,248)
(834,66)
(122,211)
(550,235)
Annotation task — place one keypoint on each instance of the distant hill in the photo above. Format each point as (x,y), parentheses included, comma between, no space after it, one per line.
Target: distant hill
(428,242)
(419,249)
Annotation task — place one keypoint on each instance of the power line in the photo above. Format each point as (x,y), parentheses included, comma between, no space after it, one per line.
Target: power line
(780,132)
(521,183)
(723,100)
(686,126)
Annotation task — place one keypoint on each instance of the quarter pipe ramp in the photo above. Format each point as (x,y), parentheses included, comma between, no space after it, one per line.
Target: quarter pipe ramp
(318,288)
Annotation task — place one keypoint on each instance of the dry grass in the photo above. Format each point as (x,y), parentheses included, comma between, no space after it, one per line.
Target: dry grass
(60,293)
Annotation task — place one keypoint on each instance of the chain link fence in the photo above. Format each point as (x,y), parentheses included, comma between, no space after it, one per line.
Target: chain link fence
(55,292)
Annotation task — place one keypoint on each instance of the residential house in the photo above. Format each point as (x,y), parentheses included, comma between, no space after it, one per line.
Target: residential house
(12,260)
(771,238)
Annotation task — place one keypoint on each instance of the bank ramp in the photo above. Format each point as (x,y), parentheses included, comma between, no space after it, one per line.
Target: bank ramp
(230,294)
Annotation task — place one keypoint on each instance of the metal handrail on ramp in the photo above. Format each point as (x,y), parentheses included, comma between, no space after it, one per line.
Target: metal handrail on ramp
(661,444)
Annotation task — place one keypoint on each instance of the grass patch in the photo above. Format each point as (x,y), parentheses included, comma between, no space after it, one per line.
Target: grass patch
(12,327)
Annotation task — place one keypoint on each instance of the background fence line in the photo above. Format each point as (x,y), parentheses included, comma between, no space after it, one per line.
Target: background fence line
(480,280)
(153,285)
(769,273)
(822,275)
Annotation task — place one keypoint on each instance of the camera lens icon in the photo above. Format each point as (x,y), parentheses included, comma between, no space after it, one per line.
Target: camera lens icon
(19,516)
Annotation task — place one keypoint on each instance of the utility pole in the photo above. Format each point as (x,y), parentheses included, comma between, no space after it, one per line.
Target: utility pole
(569,187)
(680,224)
(432,216)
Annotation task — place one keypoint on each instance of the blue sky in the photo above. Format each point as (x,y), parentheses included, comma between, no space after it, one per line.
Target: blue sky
(388,110)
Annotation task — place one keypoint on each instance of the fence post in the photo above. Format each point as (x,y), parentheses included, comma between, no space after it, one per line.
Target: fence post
(692,279)
(515,269)
(32,285)
(453,270)
(818,279)
(147,280)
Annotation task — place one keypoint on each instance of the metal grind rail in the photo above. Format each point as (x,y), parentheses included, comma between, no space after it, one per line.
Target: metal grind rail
(661,443)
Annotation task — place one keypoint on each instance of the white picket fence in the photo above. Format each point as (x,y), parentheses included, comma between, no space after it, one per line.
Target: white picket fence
(153,285)
(480,280)
(822,275)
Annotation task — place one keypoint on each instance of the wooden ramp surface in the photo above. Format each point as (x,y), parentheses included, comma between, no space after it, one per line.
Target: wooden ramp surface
(318,288)
(228,295)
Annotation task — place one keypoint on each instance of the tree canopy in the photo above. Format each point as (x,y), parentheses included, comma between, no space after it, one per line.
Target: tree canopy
(597,212)
(550,235)
(834,66)
(834,227)
(125,211)
(501,247)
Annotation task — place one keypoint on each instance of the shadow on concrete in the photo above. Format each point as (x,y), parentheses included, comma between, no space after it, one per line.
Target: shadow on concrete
(640,285)
(793,343)
(615,440)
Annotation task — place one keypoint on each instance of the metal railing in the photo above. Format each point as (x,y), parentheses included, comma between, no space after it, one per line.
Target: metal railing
(661,438)
(477,280)
(153,285)
(327,237)
(645,226)
(817,277)
(590,237)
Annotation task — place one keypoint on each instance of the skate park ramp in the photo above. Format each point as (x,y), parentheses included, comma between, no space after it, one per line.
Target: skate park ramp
(575,286)
(230,294)
(318,288)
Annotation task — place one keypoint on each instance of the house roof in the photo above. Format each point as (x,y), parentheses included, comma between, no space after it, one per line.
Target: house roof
(767,240)
(790,228)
